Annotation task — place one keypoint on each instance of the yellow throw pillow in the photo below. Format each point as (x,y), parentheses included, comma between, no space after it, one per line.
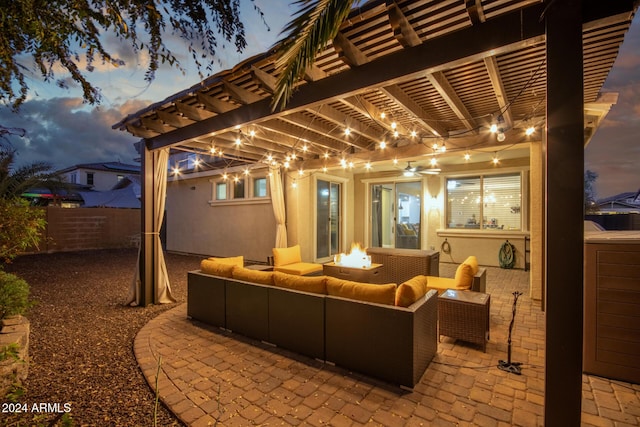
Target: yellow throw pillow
(314,284)
(253,276)
(381,294)
(411,291)
(473,262)
(217,269)
(284,256)
(464,277)
(234,260)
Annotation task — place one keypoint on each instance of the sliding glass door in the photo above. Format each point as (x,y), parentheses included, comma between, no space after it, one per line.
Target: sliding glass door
(328,220)
(396,213)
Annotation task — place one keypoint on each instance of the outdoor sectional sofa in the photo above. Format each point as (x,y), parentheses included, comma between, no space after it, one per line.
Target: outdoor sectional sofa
(383,340)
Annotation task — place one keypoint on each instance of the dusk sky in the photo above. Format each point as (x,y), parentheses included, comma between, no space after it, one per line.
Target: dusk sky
(63,131)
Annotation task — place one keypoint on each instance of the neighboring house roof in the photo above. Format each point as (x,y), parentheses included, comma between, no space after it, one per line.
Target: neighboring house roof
(105,166)
(130,181)
(122,198)
(623,202)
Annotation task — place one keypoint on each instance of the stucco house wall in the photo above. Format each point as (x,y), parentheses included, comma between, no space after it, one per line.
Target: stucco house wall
(244,227)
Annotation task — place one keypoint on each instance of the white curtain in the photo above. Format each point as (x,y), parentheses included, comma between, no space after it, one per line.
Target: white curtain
(277,200)
(162,287)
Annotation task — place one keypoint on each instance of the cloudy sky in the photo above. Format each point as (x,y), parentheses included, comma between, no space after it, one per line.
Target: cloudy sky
(614,151)
(63,131)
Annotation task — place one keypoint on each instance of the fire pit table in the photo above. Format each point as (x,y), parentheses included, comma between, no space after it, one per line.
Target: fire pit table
(371,274)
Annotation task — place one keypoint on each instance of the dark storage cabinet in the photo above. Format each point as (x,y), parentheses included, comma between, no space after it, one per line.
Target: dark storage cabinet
(612,306)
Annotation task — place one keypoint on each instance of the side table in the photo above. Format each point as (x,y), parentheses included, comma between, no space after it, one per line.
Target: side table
(464,315)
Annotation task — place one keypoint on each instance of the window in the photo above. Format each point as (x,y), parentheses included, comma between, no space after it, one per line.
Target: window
(485,202)
(238,189)
(260,187)
(221,190)
(89,178)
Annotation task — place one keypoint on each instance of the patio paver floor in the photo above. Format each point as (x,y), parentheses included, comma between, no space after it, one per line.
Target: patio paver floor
(208,376)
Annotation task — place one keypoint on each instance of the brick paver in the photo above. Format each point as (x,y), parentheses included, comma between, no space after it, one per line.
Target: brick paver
(209,376)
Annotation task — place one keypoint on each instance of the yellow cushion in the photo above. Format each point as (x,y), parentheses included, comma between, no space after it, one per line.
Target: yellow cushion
(473,262)
(464,277)
(381,294)
(253,276)
(235,260)
(284,256)
(411,291)
(315,284)
(299,268)
(440,284)
(216,268)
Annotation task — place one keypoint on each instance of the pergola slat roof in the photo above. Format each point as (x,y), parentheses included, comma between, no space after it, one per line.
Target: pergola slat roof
(442,69)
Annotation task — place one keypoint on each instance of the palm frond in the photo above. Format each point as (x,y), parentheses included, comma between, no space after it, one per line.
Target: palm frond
(15,181)
(317,22)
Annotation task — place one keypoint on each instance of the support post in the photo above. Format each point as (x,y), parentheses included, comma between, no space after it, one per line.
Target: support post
(148,258)
(564,213)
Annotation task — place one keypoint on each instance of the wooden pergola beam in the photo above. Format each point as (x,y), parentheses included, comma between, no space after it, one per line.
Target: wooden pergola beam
(440,82)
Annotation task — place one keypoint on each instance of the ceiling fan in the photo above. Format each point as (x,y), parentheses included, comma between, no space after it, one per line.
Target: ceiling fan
(411,170)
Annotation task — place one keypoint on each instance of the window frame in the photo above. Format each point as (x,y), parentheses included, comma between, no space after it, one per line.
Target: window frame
(482,176)
(248,195)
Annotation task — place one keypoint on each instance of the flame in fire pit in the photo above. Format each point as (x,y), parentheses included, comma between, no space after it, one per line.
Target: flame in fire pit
(356,258)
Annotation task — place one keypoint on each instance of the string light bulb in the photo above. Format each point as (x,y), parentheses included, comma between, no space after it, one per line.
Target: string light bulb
(495,160)
(467,156)
(530,131)
(383,145)
(501,136)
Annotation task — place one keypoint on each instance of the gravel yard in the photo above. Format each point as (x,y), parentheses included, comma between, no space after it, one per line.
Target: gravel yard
(82,336)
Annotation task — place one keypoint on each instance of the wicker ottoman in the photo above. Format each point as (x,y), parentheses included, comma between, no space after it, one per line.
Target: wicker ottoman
(464,315)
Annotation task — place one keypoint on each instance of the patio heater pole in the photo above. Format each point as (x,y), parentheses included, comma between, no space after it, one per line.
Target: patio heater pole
(508,365)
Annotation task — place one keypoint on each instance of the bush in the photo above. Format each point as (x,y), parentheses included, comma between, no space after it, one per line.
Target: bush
(20,227)
(14,295)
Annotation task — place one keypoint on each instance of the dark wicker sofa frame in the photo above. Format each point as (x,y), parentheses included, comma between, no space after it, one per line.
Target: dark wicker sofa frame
(395,344)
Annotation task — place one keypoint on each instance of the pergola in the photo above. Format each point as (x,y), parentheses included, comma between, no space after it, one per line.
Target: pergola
(442,72)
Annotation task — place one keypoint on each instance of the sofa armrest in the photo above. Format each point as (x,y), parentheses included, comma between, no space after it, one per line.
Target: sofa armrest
(479,283)
(395,344)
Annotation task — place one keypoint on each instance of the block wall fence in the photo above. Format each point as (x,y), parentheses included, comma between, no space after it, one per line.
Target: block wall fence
(75,229)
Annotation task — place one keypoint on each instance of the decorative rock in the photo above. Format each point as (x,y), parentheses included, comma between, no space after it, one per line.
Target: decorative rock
(14,330)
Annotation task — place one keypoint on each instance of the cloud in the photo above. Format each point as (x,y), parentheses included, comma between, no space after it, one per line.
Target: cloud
(615,149)
(65,132)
